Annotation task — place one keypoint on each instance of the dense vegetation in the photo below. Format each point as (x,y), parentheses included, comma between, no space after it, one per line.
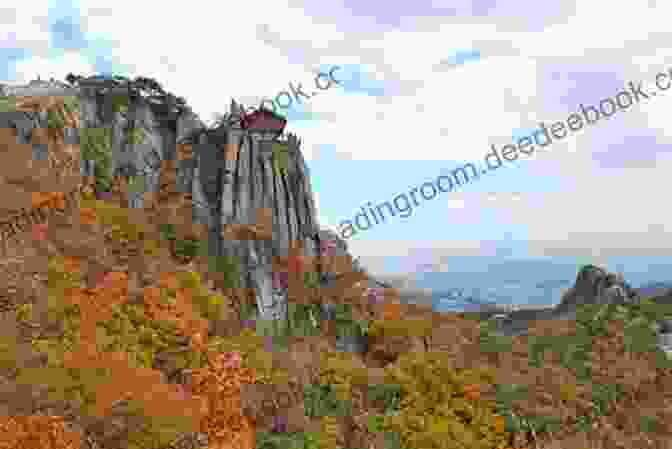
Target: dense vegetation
(129,335)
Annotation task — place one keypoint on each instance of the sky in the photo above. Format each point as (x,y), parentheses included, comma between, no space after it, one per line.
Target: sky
(425,87)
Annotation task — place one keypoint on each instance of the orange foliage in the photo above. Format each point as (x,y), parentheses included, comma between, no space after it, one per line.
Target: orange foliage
(197,342)
(169,281)
(213,403)
(221,381)
(37,432)
(87,216)
(392,310)
(158,398)
(180,311)
(39,199)
(48,199)
(72,264)
(499,424)
(58,199)
(472,392)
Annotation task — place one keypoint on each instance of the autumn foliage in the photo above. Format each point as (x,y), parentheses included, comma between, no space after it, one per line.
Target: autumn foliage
(207,406)
(220,382)
(212,404)
(37,432)
(125,330)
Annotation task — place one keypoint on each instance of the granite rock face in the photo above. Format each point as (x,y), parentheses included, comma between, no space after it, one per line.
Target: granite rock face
(251,188)
(254,211)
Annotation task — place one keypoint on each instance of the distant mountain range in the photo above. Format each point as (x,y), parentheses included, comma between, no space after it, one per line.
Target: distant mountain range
(474,285)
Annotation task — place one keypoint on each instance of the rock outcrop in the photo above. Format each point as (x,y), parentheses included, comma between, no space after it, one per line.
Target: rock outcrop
(595,285)
(249,186)
(236,180)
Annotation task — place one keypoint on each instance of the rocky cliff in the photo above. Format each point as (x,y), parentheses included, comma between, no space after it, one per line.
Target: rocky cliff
(248,185)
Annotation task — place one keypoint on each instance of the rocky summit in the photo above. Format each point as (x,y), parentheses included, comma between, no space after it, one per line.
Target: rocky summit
(248,185)
(593,286)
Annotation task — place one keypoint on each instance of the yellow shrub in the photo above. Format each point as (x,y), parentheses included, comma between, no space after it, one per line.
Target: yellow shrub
(439,408)
(414,327)
(116,217)
(341,370)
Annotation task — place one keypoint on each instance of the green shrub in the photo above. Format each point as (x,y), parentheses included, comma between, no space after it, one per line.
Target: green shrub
(346,325)
(604,395)
(55,119)
(229,266)
(136,136)
(209,306)
(187,248)
(295,440)
(321,400)
(8,104)
(592,320)
(71,103)
(96,145)
(304,319)
(311,279)
(491,342)
(649,424)
(136,184)
(388,394)
(280,158)
(120,103)
(167,231)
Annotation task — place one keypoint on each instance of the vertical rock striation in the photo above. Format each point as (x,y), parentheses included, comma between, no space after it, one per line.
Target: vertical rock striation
(237,181)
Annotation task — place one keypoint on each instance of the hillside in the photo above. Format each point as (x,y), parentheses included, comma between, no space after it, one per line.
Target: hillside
(119,331)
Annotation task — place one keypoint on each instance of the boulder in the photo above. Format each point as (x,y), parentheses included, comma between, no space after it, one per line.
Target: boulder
(664,343)
(353,343)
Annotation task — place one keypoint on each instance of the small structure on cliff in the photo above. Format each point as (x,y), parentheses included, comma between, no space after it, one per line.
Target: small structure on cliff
(264,121)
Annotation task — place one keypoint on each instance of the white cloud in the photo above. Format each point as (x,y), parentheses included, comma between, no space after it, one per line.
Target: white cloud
(620,210)
(589,29)
(455,203)
(237,62)
(26,28)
